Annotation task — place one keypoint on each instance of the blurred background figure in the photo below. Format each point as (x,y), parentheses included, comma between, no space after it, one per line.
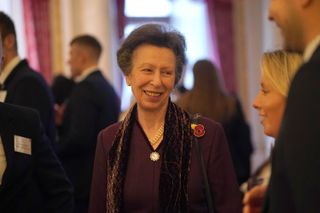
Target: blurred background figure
(208,98)
(61,88)
(277,71)
(31,176)
(93,105)
(21,85)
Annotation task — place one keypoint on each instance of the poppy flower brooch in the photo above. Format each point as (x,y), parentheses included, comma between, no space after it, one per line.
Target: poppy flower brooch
(198,130)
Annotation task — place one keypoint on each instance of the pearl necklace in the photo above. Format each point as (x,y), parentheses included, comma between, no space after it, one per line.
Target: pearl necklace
(154,156)
(158,135)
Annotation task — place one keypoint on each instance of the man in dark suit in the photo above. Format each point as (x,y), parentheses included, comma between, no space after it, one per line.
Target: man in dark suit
(31,176)
(32,179)
(295,180)
(20,84)
(92,106)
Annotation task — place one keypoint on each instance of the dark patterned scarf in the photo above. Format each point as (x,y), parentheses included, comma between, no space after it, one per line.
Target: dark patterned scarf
(175,165)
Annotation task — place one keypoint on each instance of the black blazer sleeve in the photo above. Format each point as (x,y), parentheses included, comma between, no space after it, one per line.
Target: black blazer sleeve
(50,175)
(300,136)
(80,121)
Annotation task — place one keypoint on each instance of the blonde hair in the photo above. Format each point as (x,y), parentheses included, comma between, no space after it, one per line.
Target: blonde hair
(280,67)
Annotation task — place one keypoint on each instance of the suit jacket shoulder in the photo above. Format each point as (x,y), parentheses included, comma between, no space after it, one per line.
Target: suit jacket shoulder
(25,87)
(18,117)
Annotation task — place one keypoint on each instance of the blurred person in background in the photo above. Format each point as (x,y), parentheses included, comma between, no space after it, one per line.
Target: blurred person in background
(93,105)
(208,98)
(31,176)
(61,89)
(20,84)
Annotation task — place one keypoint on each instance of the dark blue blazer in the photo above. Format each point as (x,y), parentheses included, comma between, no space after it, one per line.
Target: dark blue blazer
(92,106)
(36,182)
(295,180)
(25,87)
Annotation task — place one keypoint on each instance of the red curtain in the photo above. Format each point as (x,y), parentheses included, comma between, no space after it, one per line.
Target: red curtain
(220,14)
(121,17)
(37,29)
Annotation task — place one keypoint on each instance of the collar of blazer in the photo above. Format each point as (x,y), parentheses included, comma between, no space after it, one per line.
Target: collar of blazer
(6,117)
(316,55)
(17,70)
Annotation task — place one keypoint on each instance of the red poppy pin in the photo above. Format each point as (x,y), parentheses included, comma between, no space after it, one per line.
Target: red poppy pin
(198,130)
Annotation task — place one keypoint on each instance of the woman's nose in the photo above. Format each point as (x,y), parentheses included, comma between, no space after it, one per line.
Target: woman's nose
(256,103)
(156,78)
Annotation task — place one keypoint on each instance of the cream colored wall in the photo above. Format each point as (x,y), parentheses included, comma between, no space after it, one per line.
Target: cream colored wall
(56,39)
(255,34)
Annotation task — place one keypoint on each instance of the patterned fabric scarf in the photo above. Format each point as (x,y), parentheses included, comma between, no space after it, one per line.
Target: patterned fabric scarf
(175,165)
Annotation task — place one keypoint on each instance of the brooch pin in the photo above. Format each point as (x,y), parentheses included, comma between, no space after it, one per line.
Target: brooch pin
(198,130)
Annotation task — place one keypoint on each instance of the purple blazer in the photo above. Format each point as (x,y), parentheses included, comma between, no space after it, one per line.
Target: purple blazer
(141,185)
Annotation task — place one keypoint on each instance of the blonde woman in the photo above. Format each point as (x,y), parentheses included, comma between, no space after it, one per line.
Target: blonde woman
(277,71)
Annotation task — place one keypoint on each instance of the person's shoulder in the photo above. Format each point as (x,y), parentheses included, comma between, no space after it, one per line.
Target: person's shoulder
(312,65)
(21,117)
(211,127)
(26,75)
(110,130)
(307,76)
(211,134)
(19,111)
(28,71)
(108,134)
(95,82)
(95,77)
(209,122)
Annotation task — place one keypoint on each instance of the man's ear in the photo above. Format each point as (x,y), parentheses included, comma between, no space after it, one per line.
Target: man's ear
(9,41)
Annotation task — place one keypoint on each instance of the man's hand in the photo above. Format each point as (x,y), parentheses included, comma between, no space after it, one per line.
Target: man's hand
(253,199)
(59,113)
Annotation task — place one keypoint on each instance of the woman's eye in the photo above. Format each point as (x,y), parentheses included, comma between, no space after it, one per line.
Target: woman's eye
(167,73)
(264,91)
(146,70)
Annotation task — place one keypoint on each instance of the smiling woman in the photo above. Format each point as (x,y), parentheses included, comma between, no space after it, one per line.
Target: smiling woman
(152,77)
(143,164)
(277,71)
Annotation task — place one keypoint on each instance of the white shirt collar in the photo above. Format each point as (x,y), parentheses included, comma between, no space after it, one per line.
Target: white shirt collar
(8,69)
(311,47)
(85,74)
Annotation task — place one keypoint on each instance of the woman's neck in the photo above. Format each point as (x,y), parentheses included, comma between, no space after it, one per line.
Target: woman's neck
(151,121)
(152,124)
